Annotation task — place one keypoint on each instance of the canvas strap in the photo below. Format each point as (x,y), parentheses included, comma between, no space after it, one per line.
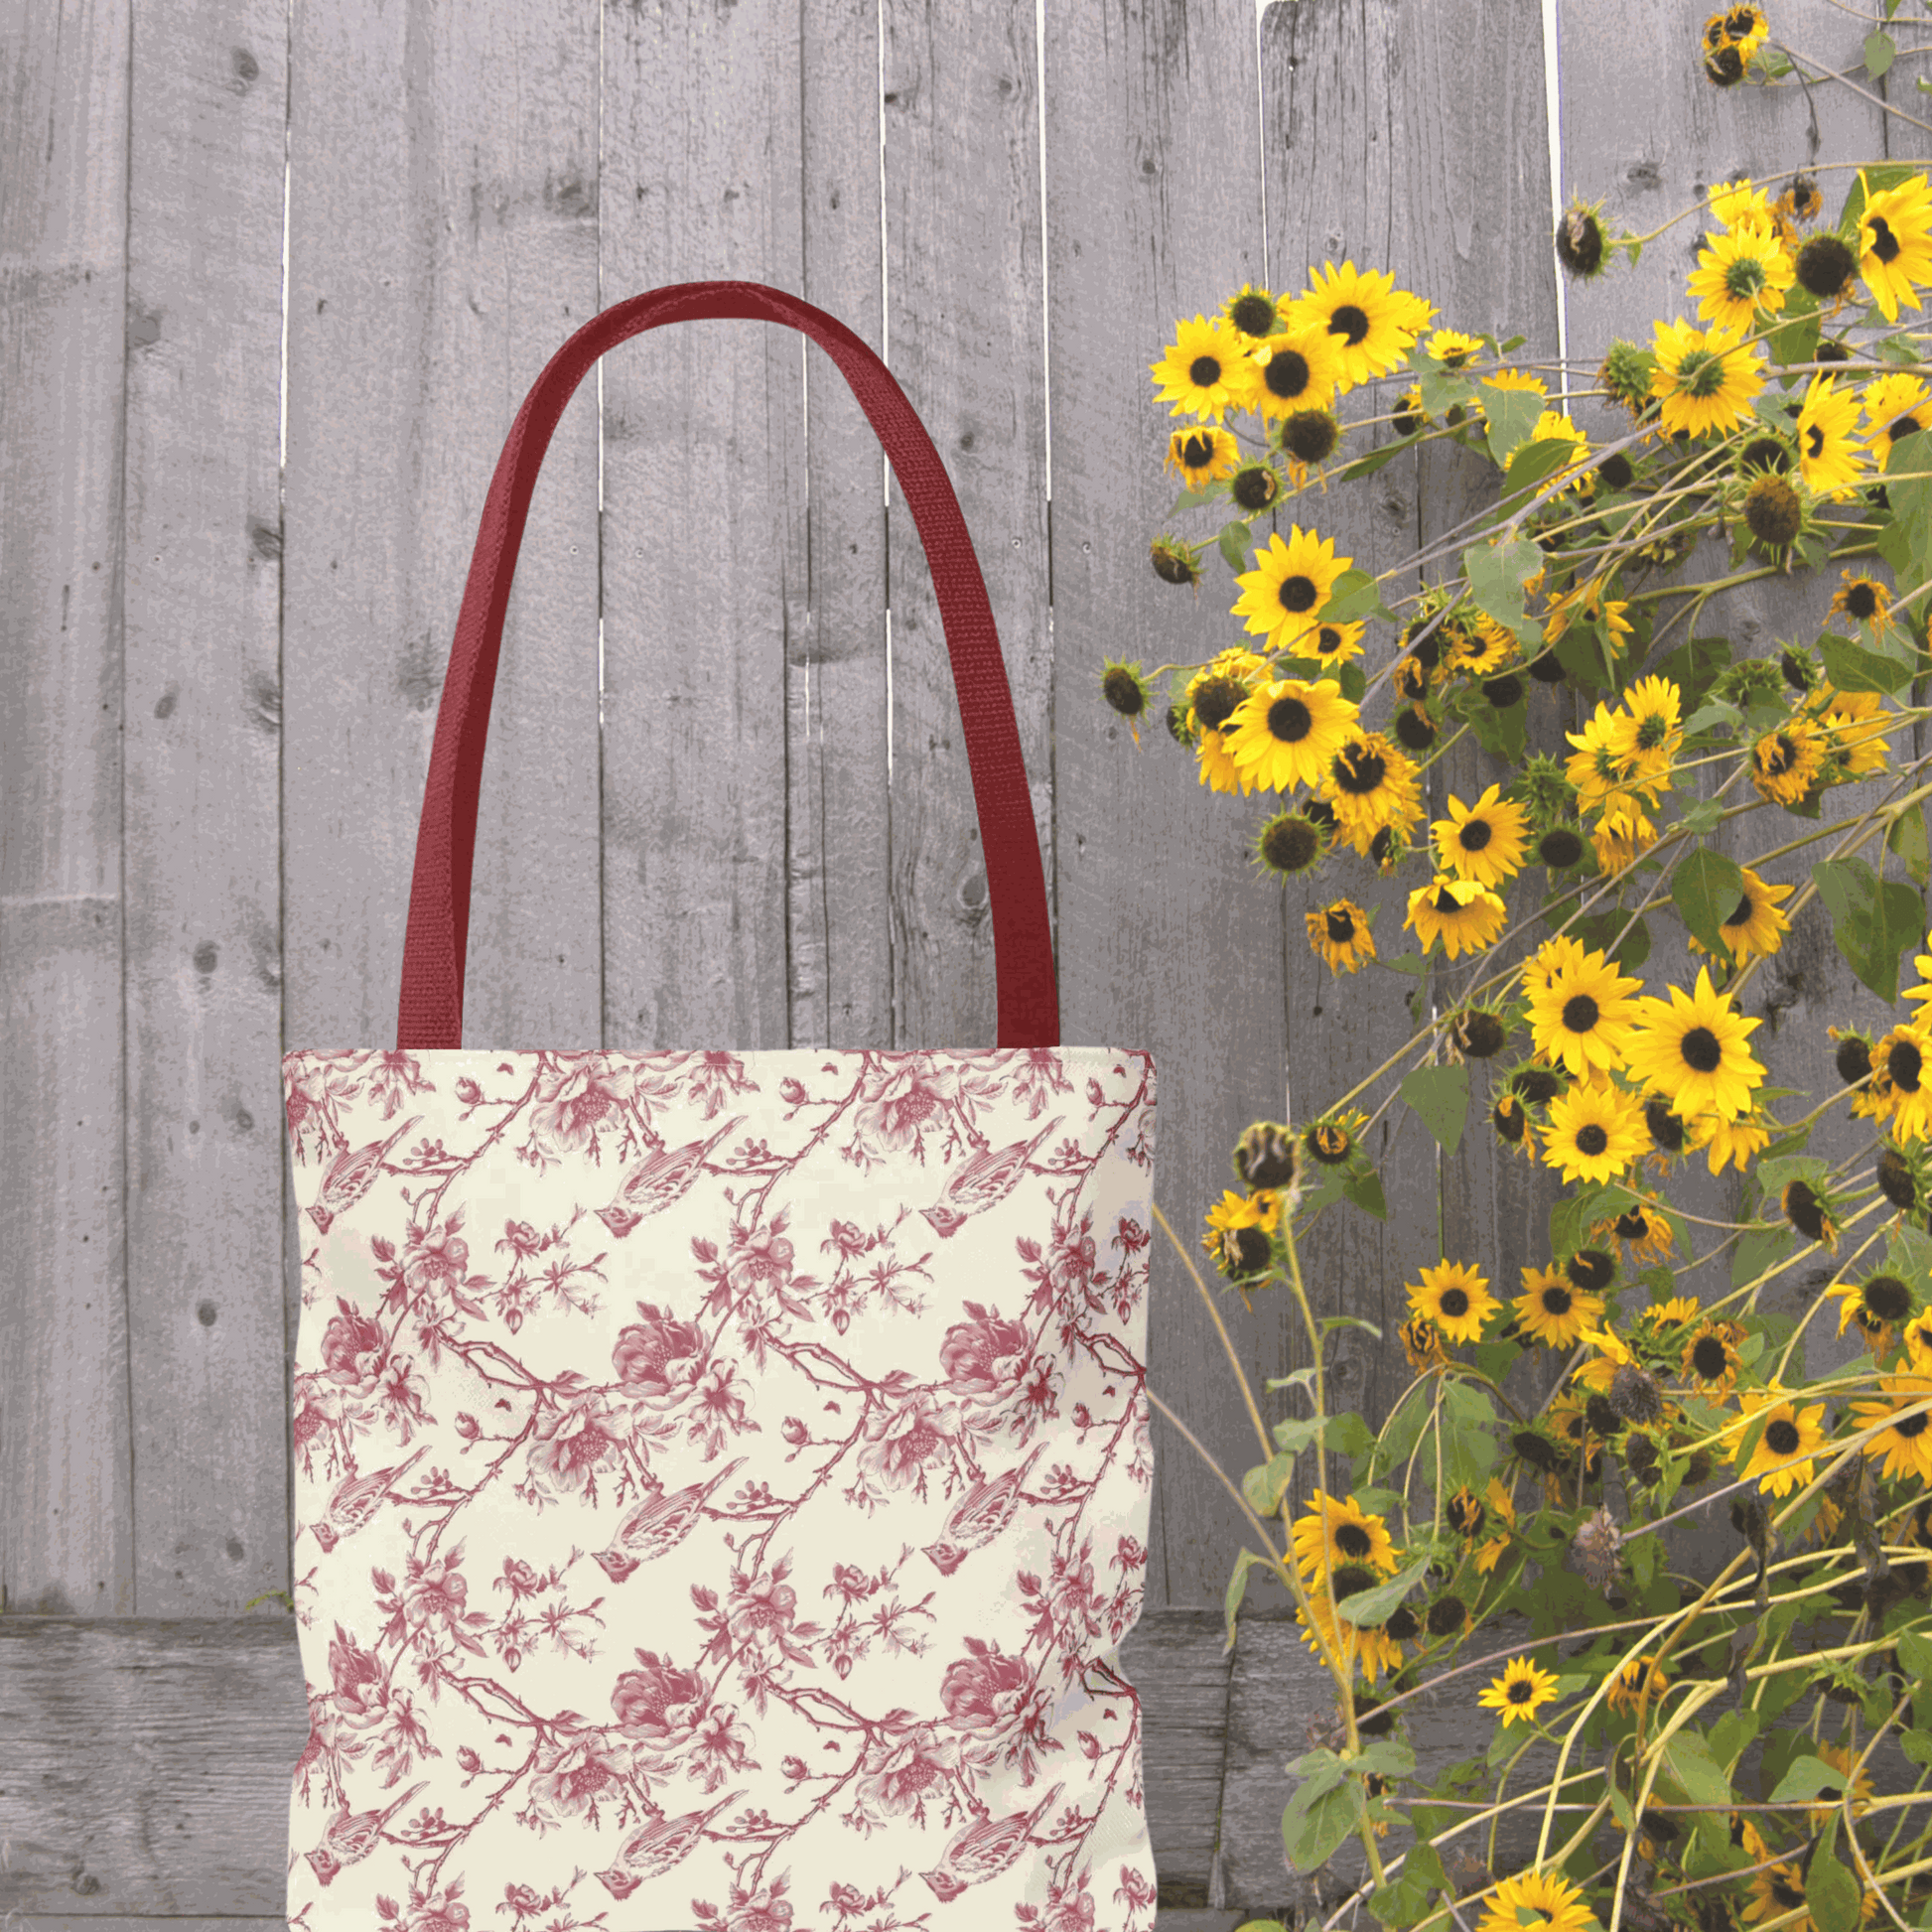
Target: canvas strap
(436,947)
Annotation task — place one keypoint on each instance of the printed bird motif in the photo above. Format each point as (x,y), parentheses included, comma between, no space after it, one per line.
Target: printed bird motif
(657,1524)
(356,1499)
(654,1183)
(980,1515)
(352,1174)
(982,1181)
(653,1847)
(984,1848)
(349,1840)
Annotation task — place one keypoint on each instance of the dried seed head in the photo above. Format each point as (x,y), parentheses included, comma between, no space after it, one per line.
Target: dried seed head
(1599,1549)
(1635,1395)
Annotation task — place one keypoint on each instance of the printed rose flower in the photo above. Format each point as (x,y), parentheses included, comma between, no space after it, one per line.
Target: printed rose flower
(441,1255)
(436,1592)
(578,1094)
(762,1606)
(350,1345)
(520,1238)
(984,1356)
(762,1255)
(847,1237)
(898,1778)
(718,1077)
(850,1581)
(721,1745)
(1073,1261)
(898,1100)
(572,1442)
(648,1349)
(765,1910)
(657,1704)
(902,1443)
(568,1779)
(984,1691)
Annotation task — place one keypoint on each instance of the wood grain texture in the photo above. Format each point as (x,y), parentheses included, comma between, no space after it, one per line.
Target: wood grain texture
(443,245)
(202,745)
(1169,938)
(148,1764)
(704,510)
(963,326)
(67,1521)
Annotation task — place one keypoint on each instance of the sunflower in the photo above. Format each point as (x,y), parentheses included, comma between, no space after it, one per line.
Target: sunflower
(1286,732)
(1580,1011)
(1372,322)
(1908,1444)
(1238,1230)
(1692,1051)
(1830,456)
(1555,427)
(1895,408)
(1451,348)
(1212,697)
(1865,601)
(1901,1081)
(1376,1650)
(1422,1344)
(1642,1228)
(1737,1142)
(1622,838)
(1853,726)
(1652,734)
(1456,1299)
(1776,1893)
(1754,924)
(1299,369)
(1336,1531)
(1205,372)
(1338,933)
(1465,917)
(1704,381)
(1520,1692)
(1741,274)
(1334,644)
(1784,762)
(1880,1305)
(1283,596)
(1553,1311)
(1844,1759)
(1641,1676)
(1603,769)
(1536,1902)
(1710,1359)
(1370,785)
(1484,841)
(1896,243)
(1792,1437)
(1740,205)
(1202,455)
(1595,1132)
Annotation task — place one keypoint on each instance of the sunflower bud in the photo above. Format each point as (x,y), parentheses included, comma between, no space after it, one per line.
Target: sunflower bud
(1254,487)
(1560,848)
(1724,67)
(1625,376)
(1125,689)
(1448,1615)
(1853,1057)
(1896,1180)
(1173,562)
(1480,1033)
(1265,1157)
(1413,729)
(1311,435)
(1329,1141)
(1537,1084)
(1580,241)
(1810,1212)
(1288,844)
(1825,264)
(1773,512)
(1509,1120)
(1503,692)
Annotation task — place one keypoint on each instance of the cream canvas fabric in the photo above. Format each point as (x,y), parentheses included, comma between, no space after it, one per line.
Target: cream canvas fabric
(721,1489)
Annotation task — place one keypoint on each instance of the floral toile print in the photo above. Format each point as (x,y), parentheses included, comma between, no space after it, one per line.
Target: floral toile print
(721,1489)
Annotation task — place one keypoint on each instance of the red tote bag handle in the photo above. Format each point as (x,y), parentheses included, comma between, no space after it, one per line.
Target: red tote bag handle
(436,948)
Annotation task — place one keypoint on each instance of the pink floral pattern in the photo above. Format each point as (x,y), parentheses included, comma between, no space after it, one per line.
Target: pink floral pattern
(722,1487)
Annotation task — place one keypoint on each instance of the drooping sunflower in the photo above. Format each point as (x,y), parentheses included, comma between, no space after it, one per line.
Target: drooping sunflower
(1202,455)
(1370,785)
(1520,1692)
(1741,275)
(1691,1049)
(1830,457)
(1620,838)
(1776,1893)
(1581,1010)
(1204,371)
(1339,933)
(1792,1437)
(1283,596)
(1286,732)
(1299,369)
(1484,841)
(1335,1531)
(1755,925)
(1842,1758)
(1464,915)
(1784,762)
(1901,1079)
(1456,1299)
(1735,1142)
(1373,323)
(1880,1305)
(1711,1359)
(1896,244)
(1703,379)
(1641,1676)
(1551,1310)
(1908,1444)
(1238,1230)
(1594,1131)
(1212,697)
(1895,406)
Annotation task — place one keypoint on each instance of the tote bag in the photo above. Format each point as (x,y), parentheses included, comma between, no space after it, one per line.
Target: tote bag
(720,1477)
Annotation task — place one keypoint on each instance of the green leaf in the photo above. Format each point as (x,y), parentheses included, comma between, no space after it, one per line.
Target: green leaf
(1354,595)
(1915,1654)
(1718,712)
(1235,544)
(1908,543)
(1603,932)
(1879,52)
(1267,1483)
(1238,1589)
(1917,1745)
(1794,337)
(1757,1251)
(1316,1820)
(1706,889)
(1906,842)
(1873,923)
(1366,466)
(1832,1895)
(1330,1322)
(1512,415)
(1388,1757)
(1694,666)
(1851,666)
(1532,466)
(1809,1777)
(1688,1759)
(1365,1191)
(1439,1098)
(1497,573)
(1377,1605)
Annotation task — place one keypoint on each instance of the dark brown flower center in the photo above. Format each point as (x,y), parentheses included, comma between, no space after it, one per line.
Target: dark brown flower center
(1290,721)
(1454,1304)
(1709,1358)
(1592,1140)
(1352,1541)
(1476,834)
(1341,927)
(1204,371)
(1299,594)
(1556,1300)
(1781,1437)
(1351,323)
(1701,1049)
(1581,1013)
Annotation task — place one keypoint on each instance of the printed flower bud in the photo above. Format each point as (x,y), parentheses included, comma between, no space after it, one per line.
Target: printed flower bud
(796,1433)
(467,1091)
(791,1091)
(468,1427)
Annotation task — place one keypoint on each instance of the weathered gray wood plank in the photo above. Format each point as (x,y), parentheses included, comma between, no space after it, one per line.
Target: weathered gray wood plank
(443,245)
(704,500)
(837,799)
(202,747)
(148,1765)
(963,327)
(67,1523)
(1167,937)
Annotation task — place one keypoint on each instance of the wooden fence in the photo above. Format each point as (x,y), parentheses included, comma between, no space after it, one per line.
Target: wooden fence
(222,662)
